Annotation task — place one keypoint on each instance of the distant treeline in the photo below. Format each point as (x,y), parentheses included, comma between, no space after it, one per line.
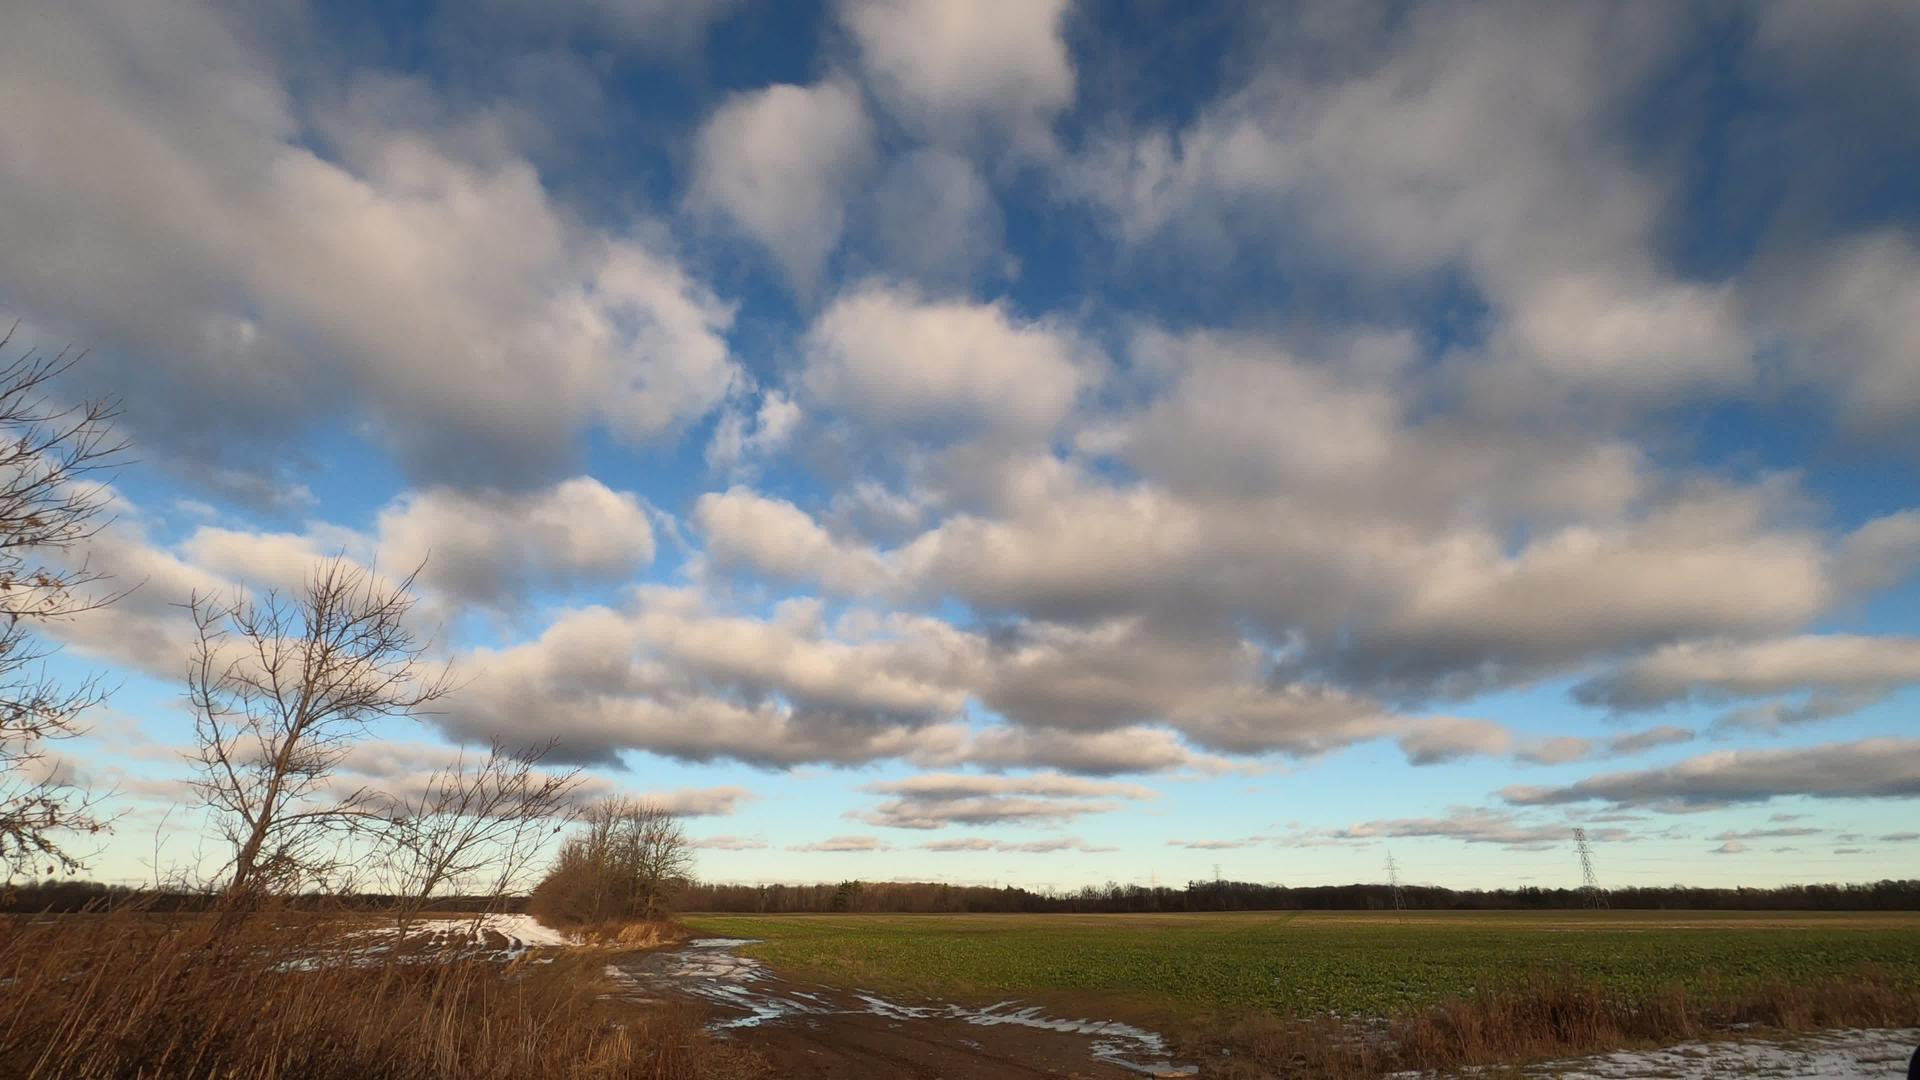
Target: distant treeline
(935,898)
(928,897)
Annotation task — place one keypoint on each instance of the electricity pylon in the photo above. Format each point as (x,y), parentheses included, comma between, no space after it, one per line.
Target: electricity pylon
(1591,895)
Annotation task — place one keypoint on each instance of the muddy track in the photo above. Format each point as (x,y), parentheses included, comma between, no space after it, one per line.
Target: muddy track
(810,1030)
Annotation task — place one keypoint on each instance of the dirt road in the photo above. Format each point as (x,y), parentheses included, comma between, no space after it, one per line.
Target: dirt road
(820,1031)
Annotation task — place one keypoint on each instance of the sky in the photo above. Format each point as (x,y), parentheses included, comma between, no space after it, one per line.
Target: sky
(1028,441)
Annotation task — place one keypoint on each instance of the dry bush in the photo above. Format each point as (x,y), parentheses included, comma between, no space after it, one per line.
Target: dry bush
(239,996)
(627,861)
(1557,1014)
(1544,1015)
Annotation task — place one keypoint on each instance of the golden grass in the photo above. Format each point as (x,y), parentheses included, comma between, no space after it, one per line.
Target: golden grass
(136,995)
(1548,1015)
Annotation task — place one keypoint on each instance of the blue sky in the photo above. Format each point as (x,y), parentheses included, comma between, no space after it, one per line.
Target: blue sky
(1030,441)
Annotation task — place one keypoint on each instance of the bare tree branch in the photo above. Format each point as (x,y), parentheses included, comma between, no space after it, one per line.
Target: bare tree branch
(630,860)
(280,691)
(474,826)
(50,503)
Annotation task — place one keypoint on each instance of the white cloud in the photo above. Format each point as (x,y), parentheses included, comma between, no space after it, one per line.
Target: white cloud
(937,800)
(936,220)
(772,536)
(1095,753)
(1482,143)
(780,163)
(738,439)
(963,71)
(898,360)
(1449,738)
(666,675)
(496,549)
(249,268)
(1853,316)
(1868,768)
(1723,669)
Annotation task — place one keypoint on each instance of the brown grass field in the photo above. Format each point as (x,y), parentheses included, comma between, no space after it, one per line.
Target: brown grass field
(136,995)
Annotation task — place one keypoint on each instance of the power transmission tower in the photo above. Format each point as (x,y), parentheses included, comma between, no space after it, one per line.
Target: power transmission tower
(1393,882)
(1591,895)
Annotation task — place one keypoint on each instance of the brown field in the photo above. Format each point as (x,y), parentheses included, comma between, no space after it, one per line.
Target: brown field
(132,995)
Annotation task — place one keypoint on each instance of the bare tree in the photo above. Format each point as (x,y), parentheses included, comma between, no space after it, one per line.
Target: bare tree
(48,506)
(473,825)
(629,860)
(280,691)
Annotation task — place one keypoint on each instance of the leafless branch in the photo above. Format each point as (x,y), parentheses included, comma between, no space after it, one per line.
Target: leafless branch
(281,689)
(50,503)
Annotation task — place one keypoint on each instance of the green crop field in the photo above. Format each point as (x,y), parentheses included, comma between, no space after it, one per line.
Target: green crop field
(1312,962)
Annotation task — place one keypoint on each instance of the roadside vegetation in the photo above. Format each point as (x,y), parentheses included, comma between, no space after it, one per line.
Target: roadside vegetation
(243,996)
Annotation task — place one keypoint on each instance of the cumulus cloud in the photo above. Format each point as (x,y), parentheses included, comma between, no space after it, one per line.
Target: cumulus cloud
(698,802)
(744,529)
(994,68)
(1854,320)
(779,163)
(1868,768)
(1333,161)
(936,800)
(249,267)
(738,437)
(1450,738)
(1095,753)
(1722,669)
(495,549)
(935,219)
(488,549)
(899,360)
(666,675)
(1774,717)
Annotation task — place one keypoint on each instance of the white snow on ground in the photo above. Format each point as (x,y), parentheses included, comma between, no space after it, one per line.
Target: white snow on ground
(522,931)
(497,937)
(1827,1055)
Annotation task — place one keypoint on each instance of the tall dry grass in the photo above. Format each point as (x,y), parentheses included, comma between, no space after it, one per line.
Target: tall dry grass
(1553,1014)
(143,995)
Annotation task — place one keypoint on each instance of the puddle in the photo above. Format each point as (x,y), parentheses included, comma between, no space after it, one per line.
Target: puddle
(709,969)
